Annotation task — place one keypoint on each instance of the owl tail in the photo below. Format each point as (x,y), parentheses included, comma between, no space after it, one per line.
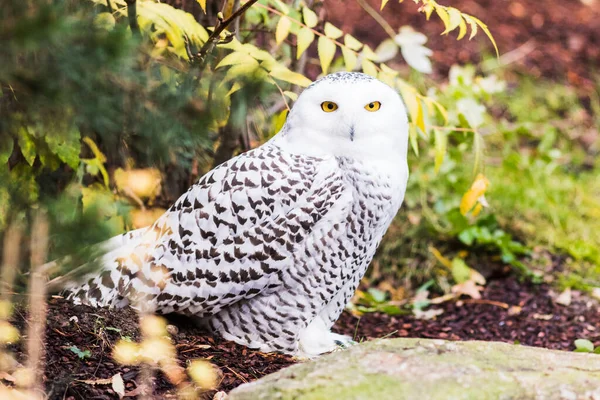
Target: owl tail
(108,285)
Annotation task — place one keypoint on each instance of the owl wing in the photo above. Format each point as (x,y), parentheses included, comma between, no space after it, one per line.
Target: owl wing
(231,235)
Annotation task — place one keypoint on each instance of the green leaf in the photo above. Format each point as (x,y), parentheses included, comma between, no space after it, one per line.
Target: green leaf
(377,295)
(460,270)
(441,144)
(309,16)
(326,50)
(79,353)
(478,152)
(305,38)
(6,148)
(27,146)
(283,29)
(67,147)
(584,346)
(292,77)
(413,135)
(331,31)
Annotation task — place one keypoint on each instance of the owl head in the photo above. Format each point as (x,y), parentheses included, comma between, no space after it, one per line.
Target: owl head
(347,114)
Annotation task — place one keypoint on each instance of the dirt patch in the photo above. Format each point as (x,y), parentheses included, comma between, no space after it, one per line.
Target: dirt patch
(509,311)
(540,322)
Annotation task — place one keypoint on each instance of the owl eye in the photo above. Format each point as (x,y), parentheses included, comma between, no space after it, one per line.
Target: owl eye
(373,106)
(329,106)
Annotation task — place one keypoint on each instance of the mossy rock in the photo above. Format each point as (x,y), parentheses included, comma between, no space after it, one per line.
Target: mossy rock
(434,369)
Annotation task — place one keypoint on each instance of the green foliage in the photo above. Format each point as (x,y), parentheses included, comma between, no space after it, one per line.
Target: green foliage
(81,354)
(585,346)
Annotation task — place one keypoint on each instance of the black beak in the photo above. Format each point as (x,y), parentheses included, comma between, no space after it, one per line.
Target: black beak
(352,133)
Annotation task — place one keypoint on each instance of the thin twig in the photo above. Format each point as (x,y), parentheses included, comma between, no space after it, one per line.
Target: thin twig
(377,17)
(210,44)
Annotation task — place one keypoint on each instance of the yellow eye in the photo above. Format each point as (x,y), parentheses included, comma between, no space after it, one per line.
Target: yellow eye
(329,106)
(373,106)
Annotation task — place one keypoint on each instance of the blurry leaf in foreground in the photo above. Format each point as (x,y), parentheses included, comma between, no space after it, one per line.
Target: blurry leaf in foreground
(584,346)
(472,196)
(413,50)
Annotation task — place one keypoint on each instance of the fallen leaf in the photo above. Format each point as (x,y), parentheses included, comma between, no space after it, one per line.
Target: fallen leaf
(428,314)
(544,317)
(118,385)
(564,299)
(468,288)
(220,396)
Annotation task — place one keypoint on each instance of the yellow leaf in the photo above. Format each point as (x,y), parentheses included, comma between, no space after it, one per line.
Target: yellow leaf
(228,8)
(441,143)
(383,3)
(427,9)
(309,16)
(414,136)
(279,120)
(326,50)
(442,110)
(331,31)
(235,58)
(369,67)
(411,101)
(477,150)
(455,19)
(388,70)
(368,53)
(292,77)
(440,257)
(304,39)
(351,42)
(477,190)
(202,5)
(462,29)
(420,121)
(350,58)
(472,24)
(488,33)
(293,96)
(283,29)
(443,14)
(244,70)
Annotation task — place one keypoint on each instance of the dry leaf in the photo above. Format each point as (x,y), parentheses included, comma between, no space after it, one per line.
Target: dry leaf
(564,299)
(469,288)
(544,317)
(118,385)
(429,314)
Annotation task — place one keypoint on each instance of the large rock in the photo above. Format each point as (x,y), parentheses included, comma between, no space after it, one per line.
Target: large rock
(424,369)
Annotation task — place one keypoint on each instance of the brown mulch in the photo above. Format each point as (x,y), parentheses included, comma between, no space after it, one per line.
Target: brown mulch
(536,320)
(554,39)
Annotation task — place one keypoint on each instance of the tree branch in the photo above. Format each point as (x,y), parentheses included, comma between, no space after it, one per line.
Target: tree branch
(132,15)
(210,44)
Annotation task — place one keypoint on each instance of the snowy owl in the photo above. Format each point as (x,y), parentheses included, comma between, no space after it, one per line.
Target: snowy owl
(268,248)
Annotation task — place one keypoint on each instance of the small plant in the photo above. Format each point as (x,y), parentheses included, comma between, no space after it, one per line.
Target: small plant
(586,346)
(81,354)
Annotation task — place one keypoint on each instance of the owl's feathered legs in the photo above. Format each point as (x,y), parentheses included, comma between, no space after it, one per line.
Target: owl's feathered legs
(317,339)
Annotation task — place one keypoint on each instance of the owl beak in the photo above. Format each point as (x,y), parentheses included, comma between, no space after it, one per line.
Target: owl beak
(352,133)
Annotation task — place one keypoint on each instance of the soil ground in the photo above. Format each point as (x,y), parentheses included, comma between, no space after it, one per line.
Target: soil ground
(509,311)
